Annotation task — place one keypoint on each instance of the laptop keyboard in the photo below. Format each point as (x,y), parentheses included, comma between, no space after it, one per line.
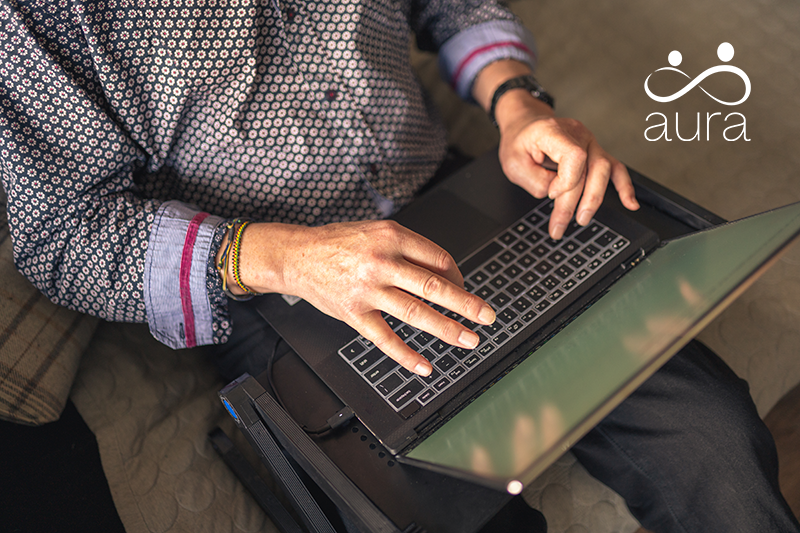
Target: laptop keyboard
(520,273)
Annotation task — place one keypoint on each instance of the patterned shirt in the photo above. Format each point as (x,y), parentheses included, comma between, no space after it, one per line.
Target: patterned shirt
(131,130)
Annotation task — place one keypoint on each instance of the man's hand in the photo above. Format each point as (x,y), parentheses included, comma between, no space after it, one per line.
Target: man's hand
(529,131)
(353,271)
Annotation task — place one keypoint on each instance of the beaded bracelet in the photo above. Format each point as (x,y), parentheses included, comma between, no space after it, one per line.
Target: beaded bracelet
(237,245)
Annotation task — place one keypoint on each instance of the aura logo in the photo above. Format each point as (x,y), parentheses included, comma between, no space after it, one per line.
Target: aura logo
(725,54)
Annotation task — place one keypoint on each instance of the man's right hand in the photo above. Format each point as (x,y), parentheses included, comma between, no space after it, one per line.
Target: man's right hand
(353,271)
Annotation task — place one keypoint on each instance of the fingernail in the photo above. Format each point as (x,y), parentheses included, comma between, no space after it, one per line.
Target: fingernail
(423,369)
(486,316)
(583,218)
(558,231)
(468,339)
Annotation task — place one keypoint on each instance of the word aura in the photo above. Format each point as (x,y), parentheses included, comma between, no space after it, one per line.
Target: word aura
(662,128)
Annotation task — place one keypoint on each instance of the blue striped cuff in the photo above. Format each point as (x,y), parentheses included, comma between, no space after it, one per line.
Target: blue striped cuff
(465,54)
(176,297)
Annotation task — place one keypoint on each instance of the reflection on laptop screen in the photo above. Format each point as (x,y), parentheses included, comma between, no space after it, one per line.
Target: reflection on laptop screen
(513,431)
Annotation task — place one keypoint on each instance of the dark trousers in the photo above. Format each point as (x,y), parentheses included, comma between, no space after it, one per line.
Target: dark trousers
(687,450)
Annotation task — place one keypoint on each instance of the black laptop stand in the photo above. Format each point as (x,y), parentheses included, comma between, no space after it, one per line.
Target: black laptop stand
(345,475)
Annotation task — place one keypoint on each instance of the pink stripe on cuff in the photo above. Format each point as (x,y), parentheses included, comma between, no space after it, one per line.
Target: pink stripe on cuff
(185,276)
(481,50)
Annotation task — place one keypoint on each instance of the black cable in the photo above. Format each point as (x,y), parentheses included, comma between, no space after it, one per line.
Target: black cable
(340,418)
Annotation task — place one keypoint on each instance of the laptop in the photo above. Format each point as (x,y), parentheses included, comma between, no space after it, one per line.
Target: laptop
(581,323)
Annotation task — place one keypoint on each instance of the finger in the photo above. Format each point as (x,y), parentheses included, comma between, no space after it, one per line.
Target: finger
(600,167)
(522,169)
(373,327)
(563,208)
(431,257)
(418,314)
(624,186)
(438,290)
(568,151)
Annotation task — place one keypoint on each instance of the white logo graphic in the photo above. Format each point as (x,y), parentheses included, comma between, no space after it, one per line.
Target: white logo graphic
(725,54)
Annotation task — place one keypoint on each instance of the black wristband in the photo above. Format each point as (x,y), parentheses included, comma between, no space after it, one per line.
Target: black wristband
(527,82)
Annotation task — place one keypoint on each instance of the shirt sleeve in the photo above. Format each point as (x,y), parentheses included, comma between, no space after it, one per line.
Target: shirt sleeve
(469,35)
(83,233)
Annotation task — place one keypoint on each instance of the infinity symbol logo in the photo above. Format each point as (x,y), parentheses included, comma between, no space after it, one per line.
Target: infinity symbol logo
(725,54)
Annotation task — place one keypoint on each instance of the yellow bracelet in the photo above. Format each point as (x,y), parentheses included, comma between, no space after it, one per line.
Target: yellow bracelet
(235,249)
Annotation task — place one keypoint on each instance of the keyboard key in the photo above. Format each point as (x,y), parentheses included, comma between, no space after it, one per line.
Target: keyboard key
(393,322)
(478,277)
(389,384)
(581,274)
(484,292)
(569,284)
(521,228)
(541,306)
(501,338)
(594,264)
(406,393)
(499,282)
(530,315)
(507,238)
(457,372)
(441,384)
(521,305)
(367,360)
(439,346)
(469,287)
(552,243)
(494,267)
(513,271)
(410,409)
(577,260)
(547,208)
(423,338)
(590,250)
(507,257)
(460,353)
(608,253)
(405,332)
(492,329)
(606,238)
(515,289)
(408,374)
(620,244)
(540,250)
(413,345)
(550,282)
(556,257)
(564,271)
(537,293)
(507,316)
(588,233)
(526,261)
(501,299)
(445,363)
(556,294)
(529,278)
(469,324)
(428,354)
(515,327)
(572,227)
(473,360)
(534,237)
(534,218)
(486,349)
(352,350)
(384,368)
(521,247)
(569,247)
(426,396)
(543,267)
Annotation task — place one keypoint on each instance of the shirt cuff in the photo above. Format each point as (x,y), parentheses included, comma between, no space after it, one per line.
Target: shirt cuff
(465,54)
(179,311)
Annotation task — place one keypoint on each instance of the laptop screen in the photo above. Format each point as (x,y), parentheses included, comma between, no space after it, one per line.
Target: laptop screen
(521,425)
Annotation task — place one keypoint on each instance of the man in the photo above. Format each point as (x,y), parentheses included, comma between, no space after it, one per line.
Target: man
(131,135)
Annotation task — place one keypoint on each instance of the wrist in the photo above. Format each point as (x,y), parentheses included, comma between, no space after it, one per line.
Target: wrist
(517,104)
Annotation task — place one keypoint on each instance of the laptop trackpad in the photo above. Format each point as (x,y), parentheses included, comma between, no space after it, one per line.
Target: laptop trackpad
(450,222)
